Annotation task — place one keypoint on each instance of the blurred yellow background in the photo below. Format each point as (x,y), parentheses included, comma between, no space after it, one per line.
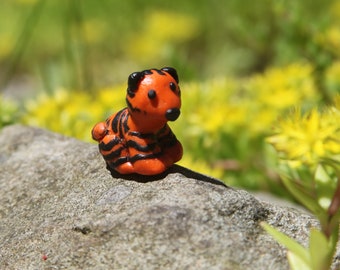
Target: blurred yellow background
(242,65)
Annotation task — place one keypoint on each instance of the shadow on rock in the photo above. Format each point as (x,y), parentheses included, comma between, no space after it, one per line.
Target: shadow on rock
(173,169)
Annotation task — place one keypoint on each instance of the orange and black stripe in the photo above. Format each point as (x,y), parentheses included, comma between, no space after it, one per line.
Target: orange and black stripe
(142,145)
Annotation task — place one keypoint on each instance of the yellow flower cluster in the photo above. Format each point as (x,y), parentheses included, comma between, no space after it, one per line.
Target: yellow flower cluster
(162,30)
(73,113)
(217,115)
(200,166)
(279,89)
(308,146)
(330,39)
(307,139)
(283,87)
(251,105)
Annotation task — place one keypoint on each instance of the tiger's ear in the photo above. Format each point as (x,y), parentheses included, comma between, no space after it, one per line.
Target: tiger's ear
(133,83)
(172,72)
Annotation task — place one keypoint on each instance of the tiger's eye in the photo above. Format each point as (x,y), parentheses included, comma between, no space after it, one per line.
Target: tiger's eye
(152,94)
(173,87)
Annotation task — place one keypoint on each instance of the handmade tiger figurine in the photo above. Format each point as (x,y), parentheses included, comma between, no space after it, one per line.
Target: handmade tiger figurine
(137,139)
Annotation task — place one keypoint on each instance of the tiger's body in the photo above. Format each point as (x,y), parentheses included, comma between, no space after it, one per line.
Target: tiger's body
(138,139)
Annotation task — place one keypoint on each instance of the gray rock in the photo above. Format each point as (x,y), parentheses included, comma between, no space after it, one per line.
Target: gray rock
(61,209)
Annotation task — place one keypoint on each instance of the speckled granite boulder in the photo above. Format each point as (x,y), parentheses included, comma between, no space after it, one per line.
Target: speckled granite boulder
(61,209)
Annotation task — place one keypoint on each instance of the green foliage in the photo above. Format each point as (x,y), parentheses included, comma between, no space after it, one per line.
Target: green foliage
(87,44)
(241,67)
(73,113)
(223,123)
(308,147)
(318,256)
(9,113)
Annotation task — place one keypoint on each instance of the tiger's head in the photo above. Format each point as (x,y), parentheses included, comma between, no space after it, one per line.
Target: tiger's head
(154,95)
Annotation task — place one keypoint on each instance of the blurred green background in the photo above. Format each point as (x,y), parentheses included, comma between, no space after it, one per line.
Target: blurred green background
(242,65)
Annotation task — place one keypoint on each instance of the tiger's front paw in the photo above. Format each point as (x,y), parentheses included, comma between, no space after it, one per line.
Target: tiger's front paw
(149,166)
(99,131)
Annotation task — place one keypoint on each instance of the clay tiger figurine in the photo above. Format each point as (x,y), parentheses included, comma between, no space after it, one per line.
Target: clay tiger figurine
(137,139)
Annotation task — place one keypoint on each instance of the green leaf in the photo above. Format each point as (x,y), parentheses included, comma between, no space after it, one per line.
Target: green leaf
(307,201)
(293,246)
(320,250)
(296,263)
(321,175)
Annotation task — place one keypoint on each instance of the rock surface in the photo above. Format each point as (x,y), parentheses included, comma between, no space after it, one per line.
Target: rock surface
(61,209)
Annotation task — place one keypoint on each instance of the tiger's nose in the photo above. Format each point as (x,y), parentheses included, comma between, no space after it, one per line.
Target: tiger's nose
(172,114)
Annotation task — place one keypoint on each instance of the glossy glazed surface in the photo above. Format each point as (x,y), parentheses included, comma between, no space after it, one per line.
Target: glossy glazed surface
(137,139)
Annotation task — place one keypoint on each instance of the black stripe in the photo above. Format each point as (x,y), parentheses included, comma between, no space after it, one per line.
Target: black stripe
(135,158)
(134,109)
(121,134)
(113,154)
(169,142)
(108,146)
(169,139)
(125,122)
(142,148)
(142,135)
(168,135)
(118,162)
(115,121)
(143,156)
(162,130)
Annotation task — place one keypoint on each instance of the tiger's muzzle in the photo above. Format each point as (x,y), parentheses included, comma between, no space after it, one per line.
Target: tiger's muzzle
(172,114)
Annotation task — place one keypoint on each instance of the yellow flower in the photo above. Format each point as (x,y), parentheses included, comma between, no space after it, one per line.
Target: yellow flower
(308,138)
(111,98)
(330,39)
(200,166)
(74,113)
(285,87)
(162,31)
(337,103)
(170,26)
